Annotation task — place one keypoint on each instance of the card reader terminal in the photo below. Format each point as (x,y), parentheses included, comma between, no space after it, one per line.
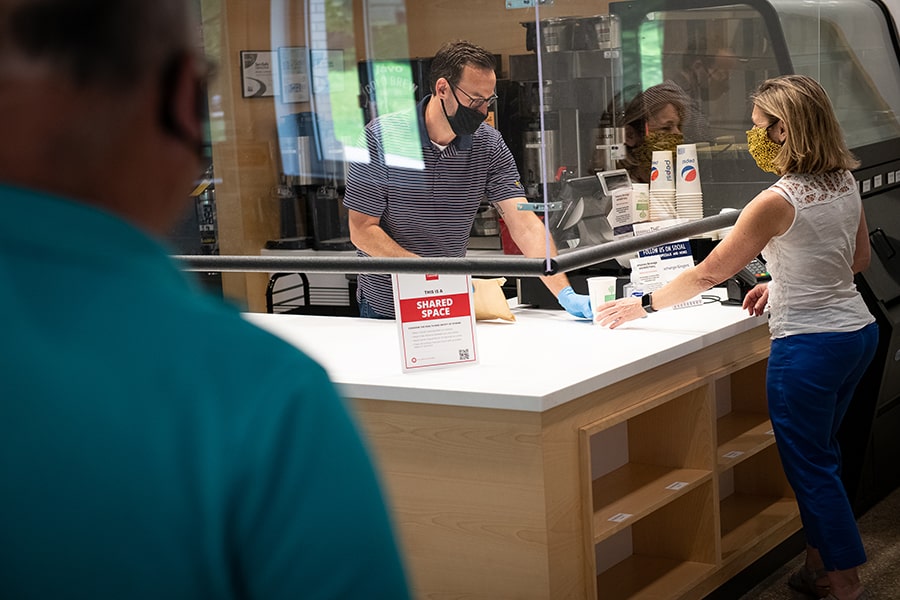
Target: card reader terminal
(758,268)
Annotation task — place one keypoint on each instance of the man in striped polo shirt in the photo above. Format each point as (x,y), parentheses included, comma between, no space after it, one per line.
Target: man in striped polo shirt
(398,207)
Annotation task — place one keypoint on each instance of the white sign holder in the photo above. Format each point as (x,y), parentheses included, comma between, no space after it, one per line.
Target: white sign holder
(436,320)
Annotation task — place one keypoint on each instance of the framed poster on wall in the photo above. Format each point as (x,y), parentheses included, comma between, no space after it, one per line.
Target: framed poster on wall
(258,74)
(293,66)
(324,64)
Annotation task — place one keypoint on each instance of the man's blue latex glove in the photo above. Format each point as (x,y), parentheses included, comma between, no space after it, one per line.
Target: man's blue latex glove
(576,305)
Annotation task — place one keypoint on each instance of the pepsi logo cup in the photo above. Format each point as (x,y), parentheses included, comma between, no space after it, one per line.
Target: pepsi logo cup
(688,167)
(662,171)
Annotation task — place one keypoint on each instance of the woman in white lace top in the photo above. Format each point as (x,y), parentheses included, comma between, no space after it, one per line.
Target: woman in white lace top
(811,229)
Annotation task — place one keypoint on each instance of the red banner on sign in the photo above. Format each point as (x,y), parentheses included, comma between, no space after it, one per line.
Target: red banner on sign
(434,307)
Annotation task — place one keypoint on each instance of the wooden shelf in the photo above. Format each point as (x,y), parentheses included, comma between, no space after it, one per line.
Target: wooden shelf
(748,519)
(636,490)
(654,478)
(741,436)
(650,577)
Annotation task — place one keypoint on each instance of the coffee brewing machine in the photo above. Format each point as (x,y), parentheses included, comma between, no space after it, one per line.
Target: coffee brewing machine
(566,100)
(311,186)
(575,64)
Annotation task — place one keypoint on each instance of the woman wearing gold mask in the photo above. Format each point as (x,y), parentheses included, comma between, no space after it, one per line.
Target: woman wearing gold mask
(653,121)
(810,227)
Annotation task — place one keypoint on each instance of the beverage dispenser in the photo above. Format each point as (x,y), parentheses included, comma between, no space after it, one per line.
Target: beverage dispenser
(541,156)
(575,62)
(311,187)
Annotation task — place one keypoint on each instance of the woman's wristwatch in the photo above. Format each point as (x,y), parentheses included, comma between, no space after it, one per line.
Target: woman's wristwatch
(647,303)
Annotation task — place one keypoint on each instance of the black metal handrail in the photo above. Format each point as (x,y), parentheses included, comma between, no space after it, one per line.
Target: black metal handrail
(482,265)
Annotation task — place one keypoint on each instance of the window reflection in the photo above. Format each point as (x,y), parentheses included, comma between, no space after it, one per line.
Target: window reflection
(567,79)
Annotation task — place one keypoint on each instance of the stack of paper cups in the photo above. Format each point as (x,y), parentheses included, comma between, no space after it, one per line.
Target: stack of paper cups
(689,195)
(662,186)
(662,175)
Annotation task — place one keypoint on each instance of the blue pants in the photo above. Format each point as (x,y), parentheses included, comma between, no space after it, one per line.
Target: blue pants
(810,383)
(366,311)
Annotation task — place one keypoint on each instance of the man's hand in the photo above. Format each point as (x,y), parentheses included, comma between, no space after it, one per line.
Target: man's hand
(576,305)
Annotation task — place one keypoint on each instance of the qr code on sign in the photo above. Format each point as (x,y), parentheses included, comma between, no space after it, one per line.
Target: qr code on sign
(464,354)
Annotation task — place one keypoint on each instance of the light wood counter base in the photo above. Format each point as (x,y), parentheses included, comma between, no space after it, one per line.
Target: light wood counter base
(662,484)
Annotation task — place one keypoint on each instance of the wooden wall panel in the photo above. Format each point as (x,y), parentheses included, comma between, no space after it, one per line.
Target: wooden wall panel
(245,152)
(466,491)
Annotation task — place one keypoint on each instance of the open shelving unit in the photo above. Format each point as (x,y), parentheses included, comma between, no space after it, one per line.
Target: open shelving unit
(684,488)
(754,495)
(663,554)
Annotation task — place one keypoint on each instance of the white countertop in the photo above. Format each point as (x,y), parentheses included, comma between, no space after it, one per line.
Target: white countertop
(542,360)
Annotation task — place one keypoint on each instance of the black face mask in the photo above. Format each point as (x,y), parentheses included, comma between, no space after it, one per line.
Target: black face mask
(466,120)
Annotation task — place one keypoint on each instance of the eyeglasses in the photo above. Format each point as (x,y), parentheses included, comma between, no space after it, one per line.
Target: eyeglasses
(475,103)
(769,126)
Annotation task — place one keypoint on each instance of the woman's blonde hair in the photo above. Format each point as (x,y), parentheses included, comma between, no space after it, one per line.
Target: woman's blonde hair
(815,142)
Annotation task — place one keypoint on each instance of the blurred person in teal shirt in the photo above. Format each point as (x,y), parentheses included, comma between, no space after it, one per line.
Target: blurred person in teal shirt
(153,444)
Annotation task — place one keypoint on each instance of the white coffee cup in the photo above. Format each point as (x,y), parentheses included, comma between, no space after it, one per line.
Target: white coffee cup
(600,290)
(662,171)
(687,169)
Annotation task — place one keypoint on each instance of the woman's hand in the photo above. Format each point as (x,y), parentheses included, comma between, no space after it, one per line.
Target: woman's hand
(615,313)
(756,299)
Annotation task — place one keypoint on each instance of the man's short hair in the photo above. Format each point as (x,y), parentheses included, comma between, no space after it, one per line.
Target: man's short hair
(453,57)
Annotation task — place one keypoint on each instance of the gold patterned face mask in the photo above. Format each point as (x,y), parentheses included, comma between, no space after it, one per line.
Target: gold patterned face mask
(656,140)
(762,149)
